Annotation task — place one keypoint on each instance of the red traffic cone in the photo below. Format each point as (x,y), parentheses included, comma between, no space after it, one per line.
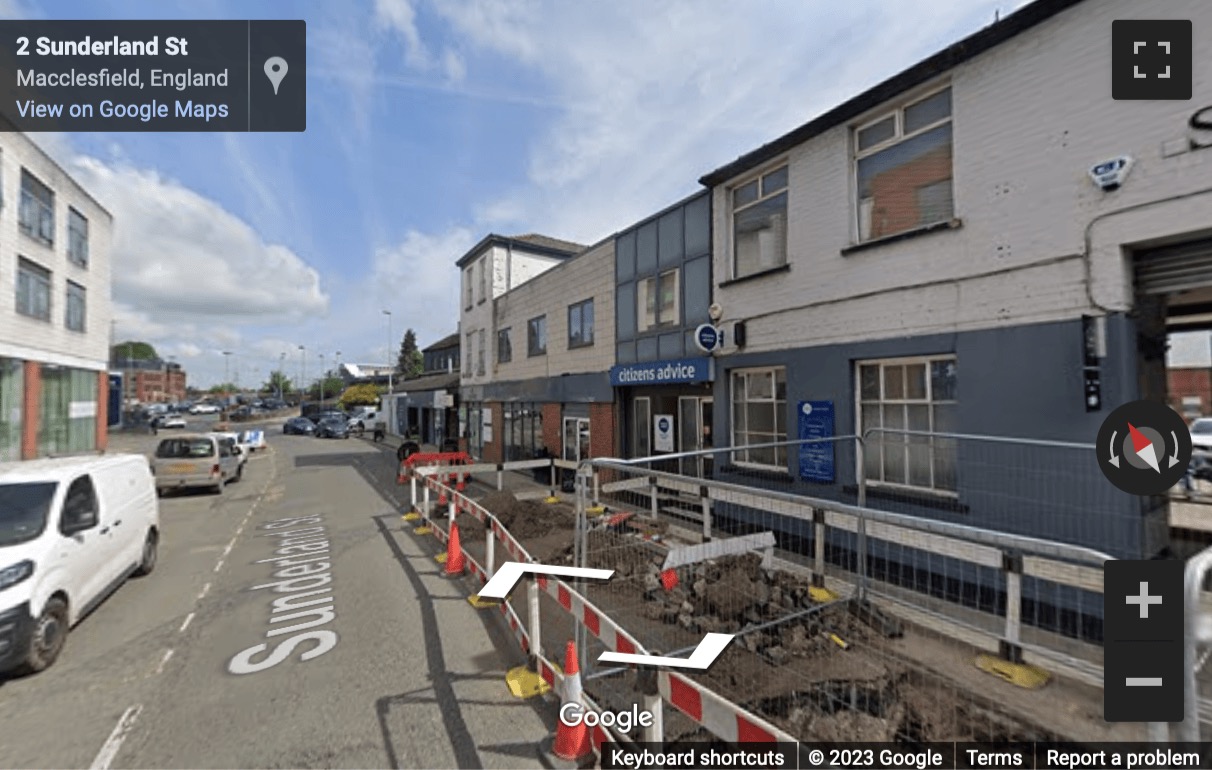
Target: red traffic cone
(454,553)
(571,743)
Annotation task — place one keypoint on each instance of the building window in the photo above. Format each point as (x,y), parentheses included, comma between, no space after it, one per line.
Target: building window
(482,344)
(536,336)
(483,279)
(12,399)
(909,394)
(580,324)
(77,237)
(468,287)
(576,439)
(75,306)
(37,214)
(641,443)
(523,426)
(68,411)
(658,301)
(759,416)
(504,348)
(468,346)
(33,290)
(759,224)
(903,168)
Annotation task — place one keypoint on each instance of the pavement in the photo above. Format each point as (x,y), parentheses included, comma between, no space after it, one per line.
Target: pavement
(366,656)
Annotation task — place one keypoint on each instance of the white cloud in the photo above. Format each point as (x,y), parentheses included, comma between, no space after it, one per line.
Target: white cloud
(453,66)
(400,16)
(418,282)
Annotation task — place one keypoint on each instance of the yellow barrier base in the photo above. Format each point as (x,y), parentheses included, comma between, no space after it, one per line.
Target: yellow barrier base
(1018,674)
(524,683)
(440,558)
(597,510)
(839,641)
(482,604)
(822,595)
(552,499)
(414,516)
(423,530)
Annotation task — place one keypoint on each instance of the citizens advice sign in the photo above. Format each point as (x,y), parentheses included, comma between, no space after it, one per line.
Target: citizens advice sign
(669,372)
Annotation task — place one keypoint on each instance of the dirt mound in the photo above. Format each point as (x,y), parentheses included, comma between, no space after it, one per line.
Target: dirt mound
(528,518)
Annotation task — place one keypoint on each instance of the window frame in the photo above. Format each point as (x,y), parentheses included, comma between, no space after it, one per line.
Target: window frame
(74,232)
(774,401)
(504,352)
(23,267)
(583,341)
(469,300)
(532,350)
(46,208)
(928,401)
(897,114)
(82,294)
(659,322)
(481,352)
(483,263)
(758,177)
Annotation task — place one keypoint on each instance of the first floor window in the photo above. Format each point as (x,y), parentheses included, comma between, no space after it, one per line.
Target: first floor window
(33,290)
(480,354)
(77,237)
(504,348)
(759,416)
(536,336)
(75,307)
(901,402)
(759,224)
(658,300)
(37,215)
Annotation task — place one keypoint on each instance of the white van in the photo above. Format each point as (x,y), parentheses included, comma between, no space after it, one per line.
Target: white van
(72,529)
(363,419)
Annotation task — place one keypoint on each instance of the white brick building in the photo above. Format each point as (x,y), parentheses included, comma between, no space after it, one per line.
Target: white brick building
(55,307)
(922,256)
(494,266)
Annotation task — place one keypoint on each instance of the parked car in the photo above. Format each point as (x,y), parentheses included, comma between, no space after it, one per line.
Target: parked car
(170,421)
(204,409)
(363,420)
(298,426)
(1201,434)
(233,441)
(252,440)
(71,531)
(318,417)
(332,427)
(196,460)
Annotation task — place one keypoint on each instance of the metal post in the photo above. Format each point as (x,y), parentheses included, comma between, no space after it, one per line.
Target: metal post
(490,551)
(412,483)
(1012,565)
(532,601)
(818,560)
(652,491)
(451,509)
(862,557)
(582,559)
(705,499)
(597,489)
(500,478)
(426,498)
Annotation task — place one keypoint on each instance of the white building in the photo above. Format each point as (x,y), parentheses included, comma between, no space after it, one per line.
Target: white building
(55,307)
(492,267)
(923,256)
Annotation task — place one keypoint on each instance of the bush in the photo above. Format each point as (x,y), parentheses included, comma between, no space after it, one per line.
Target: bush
(360,395)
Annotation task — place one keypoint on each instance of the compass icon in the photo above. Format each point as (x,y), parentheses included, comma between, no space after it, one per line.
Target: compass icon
(1144,447)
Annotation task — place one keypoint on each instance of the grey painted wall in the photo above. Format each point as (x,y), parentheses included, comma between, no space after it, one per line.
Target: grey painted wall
(1023,381)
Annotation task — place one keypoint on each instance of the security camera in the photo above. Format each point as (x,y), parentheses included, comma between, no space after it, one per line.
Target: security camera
(715,312)
(1110,174)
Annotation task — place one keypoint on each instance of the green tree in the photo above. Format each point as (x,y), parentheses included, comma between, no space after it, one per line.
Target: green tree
(410,362)
(222,388)
(132,350)
(277,383)
(331,390)
(365,394)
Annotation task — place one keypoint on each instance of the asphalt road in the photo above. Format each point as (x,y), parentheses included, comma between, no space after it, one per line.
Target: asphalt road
(192,667)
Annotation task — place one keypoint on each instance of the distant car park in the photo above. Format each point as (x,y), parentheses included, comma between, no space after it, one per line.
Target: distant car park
(204,409)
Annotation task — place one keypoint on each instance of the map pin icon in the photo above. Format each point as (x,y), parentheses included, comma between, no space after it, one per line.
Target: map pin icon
(275,70)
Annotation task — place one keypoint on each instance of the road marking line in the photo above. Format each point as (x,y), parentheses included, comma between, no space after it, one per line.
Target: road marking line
(219,566)
(230,546)
(110,748)
(188,619)
(164,661)
(205,590)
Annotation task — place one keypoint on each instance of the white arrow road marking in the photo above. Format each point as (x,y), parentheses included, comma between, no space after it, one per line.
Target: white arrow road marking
(510,572)
(703,656)
(1114,457)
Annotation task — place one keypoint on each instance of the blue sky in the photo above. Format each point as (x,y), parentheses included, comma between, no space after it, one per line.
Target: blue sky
(434,122)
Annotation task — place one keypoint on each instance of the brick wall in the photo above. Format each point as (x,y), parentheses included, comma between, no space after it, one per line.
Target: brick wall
(102,411)
(494,451)
(1190,383)
(601,430)
(32,403)
(553,428)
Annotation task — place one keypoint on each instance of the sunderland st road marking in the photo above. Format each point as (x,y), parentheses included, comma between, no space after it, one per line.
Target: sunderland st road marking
(510,572)
(703,656)
(304,559)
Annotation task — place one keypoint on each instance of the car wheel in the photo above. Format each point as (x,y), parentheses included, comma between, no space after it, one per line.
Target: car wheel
(49,636)
(151,550)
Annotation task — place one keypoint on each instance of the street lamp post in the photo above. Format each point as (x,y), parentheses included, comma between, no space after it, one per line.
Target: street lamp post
(389,364)
(323,374)
(302,371)
(281,373)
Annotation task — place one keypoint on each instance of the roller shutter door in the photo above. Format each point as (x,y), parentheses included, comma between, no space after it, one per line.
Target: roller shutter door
(1174,268)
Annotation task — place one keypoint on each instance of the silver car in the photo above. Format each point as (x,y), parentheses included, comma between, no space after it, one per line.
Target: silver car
(195,460)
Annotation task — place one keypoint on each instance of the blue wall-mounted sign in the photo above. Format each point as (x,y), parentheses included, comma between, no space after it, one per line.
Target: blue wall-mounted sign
(816,422)
(681,370)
